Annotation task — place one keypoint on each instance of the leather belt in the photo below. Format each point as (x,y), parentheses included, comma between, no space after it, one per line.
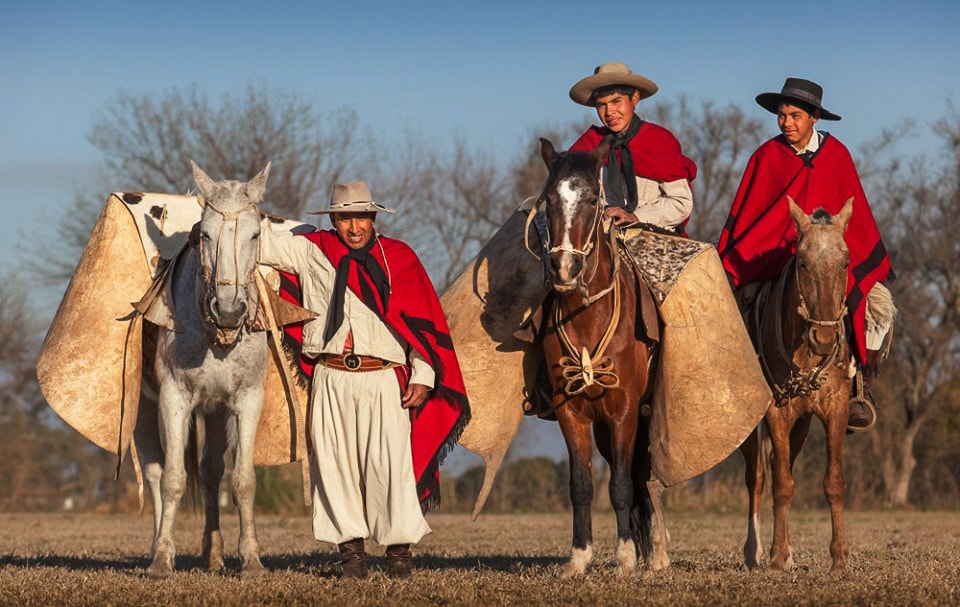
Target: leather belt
(355,363)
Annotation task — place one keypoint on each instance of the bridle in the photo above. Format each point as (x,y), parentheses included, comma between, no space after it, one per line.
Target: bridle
(210,279)
(801,381)
(592,240)
(582,369)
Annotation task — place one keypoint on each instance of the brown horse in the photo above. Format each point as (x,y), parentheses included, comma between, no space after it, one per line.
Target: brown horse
(597,360)
(801,342)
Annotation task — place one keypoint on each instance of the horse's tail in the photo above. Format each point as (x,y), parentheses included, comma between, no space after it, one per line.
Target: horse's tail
(191,461)
(641,519)
(764,448)
(641,511)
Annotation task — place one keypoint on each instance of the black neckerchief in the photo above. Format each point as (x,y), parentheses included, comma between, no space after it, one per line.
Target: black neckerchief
(626,175)
(368,263)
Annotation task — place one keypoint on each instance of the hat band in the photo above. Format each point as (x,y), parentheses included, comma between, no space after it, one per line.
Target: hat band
(802,95)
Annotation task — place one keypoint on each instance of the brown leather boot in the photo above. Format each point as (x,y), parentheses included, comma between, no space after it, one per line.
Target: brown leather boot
(398,561)
(354,559)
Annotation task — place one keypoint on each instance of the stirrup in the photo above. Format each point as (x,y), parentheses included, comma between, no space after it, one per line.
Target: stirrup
(861,397)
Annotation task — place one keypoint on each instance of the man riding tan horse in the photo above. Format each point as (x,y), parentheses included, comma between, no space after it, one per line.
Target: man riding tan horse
(758,238)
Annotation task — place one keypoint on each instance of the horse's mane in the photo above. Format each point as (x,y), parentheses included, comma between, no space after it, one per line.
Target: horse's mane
(821,217)
(571,163)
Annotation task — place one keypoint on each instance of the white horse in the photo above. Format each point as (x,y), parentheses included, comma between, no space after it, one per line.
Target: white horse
(211,367)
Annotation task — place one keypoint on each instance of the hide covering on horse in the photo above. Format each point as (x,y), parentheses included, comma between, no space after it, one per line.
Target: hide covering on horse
(493,296)
(709,390)
(90,366)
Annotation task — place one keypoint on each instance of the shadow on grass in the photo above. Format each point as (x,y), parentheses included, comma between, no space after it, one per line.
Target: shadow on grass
(322,564)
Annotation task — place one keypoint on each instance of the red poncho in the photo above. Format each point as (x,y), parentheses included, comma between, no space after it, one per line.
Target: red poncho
(414,313)
(759,238)
(656,152)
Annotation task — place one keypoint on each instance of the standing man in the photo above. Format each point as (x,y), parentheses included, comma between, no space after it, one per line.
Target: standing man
(646,178)
(387,399)
(816,170)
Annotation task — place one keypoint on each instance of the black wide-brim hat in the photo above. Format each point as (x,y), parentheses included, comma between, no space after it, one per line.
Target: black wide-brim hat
(796,89)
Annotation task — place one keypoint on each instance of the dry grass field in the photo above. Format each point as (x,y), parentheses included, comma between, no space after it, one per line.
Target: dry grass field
(897,558)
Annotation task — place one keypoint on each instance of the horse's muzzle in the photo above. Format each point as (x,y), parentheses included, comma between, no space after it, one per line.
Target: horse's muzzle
(565,270)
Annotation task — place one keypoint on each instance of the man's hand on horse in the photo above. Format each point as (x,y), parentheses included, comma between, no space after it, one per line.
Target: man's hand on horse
(415,396)
(619,216)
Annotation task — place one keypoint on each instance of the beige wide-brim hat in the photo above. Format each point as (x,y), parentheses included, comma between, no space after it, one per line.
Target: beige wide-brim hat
(606,75)
(352,197)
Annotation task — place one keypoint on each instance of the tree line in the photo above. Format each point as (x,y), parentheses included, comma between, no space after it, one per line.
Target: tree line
(452,198)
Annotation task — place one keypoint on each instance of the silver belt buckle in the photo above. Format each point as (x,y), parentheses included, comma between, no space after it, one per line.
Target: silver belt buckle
(351,361)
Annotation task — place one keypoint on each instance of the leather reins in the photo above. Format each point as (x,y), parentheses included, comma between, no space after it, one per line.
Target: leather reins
(211,280)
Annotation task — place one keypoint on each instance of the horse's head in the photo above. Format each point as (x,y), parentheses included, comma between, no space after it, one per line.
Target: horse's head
(229,247)
(822,259)
(574,210)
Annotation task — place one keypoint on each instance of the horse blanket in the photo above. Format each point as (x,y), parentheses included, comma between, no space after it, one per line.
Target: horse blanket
(709,391)
(90,366)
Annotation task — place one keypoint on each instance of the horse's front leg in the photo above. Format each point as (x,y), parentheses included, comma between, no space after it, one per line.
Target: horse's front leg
(576,434)
(753,479)
(250,404)
(174,416)
(624,434)
(780,552)
(834,485)
(211,473)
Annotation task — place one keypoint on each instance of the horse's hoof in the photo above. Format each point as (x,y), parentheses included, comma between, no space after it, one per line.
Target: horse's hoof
(159,570)
(572,570)
(658,563)
(252,570)
(579,559)
(626,558)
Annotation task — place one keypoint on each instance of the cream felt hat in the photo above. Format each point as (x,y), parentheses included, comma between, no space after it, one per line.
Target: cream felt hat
(606,75)
(352,197)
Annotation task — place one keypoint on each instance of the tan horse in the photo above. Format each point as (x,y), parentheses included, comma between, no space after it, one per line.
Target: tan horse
(798,326)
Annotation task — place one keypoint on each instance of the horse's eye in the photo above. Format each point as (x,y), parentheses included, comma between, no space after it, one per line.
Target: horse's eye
(205,236)
(255,236)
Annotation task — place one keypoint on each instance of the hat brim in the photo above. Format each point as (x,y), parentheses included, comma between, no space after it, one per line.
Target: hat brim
(582,91)
(357,207)
(771,102)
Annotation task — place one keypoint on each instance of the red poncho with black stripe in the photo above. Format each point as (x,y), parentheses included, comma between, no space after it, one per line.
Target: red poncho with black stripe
(414,313)
(759,238)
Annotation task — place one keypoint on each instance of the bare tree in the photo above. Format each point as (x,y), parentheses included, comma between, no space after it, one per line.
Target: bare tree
(720,141)
(148,142)
(917,205)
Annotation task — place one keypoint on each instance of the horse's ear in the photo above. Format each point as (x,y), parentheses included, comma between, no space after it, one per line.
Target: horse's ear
(255,187)
(547,152)
(600,154)
(800,218)
(207,186)
(843,217)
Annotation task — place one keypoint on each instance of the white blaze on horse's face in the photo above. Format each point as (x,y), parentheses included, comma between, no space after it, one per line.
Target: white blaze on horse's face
(229,250)
(569,251)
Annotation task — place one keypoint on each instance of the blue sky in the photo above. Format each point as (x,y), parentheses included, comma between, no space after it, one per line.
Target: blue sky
(487,71)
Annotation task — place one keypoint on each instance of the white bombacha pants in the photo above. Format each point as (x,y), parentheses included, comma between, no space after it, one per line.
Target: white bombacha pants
(361,465)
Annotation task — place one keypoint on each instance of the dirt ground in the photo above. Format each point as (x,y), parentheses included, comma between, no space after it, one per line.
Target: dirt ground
(896,558)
